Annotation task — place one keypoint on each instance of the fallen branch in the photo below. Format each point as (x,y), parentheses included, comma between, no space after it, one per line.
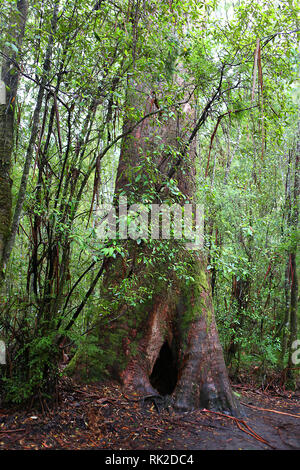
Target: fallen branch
(143,398)
(11,431)
(272,411)
(240,423)
(100,400)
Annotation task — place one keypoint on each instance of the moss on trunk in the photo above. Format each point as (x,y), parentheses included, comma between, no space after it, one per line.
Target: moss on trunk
(178,319)
(182,319)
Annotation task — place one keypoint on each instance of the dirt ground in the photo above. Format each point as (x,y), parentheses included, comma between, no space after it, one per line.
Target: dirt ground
(102,417)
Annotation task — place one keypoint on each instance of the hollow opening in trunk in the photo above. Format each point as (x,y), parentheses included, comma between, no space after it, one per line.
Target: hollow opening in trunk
(164,373)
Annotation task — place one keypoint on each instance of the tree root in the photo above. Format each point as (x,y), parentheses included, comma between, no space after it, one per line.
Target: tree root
(240,423)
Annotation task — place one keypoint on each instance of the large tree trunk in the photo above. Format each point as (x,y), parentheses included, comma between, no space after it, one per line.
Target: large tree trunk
(179,352)
(169,345)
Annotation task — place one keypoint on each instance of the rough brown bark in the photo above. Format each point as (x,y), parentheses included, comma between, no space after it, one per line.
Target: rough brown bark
(188,326)
(169,345)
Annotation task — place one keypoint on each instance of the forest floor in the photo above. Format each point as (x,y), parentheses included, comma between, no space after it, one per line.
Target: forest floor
(102,417)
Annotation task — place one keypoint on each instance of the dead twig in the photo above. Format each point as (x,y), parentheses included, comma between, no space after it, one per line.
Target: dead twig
(100,400)
(7,431)
(272,411)
(240,423)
